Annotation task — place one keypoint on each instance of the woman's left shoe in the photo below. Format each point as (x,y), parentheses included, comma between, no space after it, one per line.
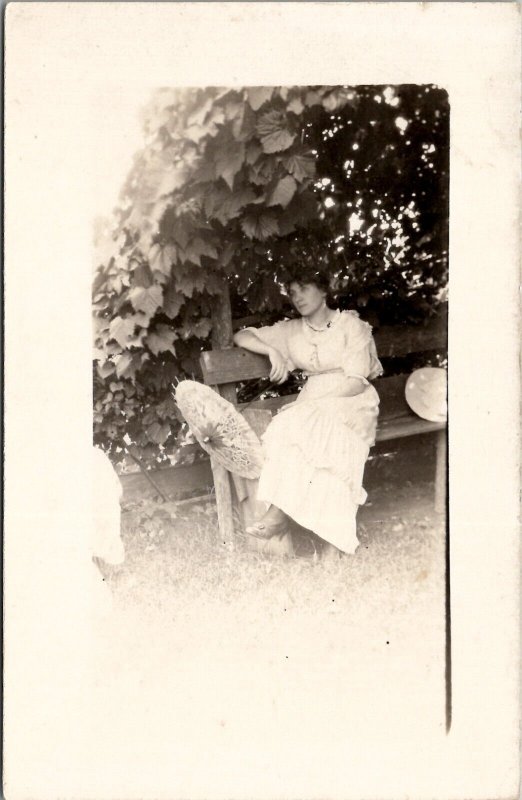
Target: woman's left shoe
(266,530)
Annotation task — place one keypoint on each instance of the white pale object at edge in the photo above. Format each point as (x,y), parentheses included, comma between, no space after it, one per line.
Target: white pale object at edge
(426,393)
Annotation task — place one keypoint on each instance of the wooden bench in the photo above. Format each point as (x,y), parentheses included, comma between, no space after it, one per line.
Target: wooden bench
(223,368)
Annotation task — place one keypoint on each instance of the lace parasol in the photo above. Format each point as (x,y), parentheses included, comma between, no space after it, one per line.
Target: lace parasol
(220,429)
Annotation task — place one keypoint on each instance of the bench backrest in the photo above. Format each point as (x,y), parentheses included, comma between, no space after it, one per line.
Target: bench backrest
(224,368)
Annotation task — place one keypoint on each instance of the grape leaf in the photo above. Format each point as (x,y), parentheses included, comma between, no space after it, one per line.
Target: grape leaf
(106,369)
(161,340)
(160,277)
(116,283)
(158,210)
(112,349)
(283,192)
(100,301)
(277,141)
(167,408)
(258,95)
(262,171)
(197,248)
(224,205)
(179,232)
(158,433)
(142,276)
(312,99)
(233,109)
(260,227)
(205,173)
(188,282)
(287,224)
(253,152)
(137,341)
(296,106)
(215,119)
(213,283)
(99,324)
(330,101)
(123,363)
(99,280)
(229,162)
(227,254)
(162,258)
(121,329)
(200,329)
(271,121)
(272,129)
(199,127)
(140,319)
(173,179)
(195,133)
(300,166)
(198,116)
(147,300)
(244,125)
(172,302)
(336,99)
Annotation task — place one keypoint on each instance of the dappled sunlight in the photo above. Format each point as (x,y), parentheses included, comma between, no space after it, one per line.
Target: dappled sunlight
(243,187)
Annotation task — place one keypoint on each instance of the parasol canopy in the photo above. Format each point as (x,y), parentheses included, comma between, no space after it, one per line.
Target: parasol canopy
(426,392)
(220,429)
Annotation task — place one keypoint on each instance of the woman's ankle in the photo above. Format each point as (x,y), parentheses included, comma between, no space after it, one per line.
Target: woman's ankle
(274,515)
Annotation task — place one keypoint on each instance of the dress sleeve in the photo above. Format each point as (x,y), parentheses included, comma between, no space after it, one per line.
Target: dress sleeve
(360,357)
(277,336)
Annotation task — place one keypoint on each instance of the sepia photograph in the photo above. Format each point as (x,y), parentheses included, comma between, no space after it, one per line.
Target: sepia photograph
(270,545)
(270,328)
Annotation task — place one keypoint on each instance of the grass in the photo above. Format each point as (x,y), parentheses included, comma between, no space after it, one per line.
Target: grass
(177,563)
(234,657)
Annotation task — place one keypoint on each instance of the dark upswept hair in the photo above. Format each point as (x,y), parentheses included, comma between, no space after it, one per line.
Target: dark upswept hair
(308,275)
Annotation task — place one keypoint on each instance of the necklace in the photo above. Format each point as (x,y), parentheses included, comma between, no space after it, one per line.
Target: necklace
(318,330)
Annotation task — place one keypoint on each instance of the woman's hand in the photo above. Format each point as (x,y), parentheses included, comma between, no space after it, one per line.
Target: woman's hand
(279,371)
(248,340)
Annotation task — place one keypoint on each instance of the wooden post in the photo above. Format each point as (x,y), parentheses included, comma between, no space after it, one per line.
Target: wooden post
(221,340)
(440,472)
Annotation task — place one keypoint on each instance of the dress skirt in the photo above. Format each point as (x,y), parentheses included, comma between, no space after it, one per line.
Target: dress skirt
(315,453)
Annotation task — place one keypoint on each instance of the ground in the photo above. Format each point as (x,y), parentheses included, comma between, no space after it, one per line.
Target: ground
(391,590)
(277,664)
(175,554)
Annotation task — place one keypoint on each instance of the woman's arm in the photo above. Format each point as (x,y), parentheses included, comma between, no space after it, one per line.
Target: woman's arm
(354,386)
(250,341)
(359,361)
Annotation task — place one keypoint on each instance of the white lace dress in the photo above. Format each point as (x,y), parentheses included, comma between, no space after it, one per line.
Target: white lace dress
(316,447)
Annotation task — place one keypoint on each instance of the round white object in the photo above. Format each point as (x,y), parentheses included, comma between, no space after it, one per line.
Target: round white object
(426,393)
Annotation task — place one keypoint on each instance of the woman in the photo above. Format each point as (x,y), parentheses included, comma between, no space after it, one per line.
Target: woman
(316,447)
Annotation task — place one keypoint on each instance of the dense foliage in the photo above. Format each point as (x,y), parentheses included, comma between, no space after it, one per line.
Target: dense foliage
(242,187)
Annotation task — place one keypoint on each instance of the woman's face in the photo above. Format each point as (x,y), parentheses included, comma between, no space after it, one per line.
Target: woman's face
(306,297)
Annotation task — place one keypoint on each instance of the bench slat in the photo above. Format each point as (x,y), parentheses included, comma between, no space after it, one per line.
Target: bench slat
(407,426)
(405,423)
(390,391)
(236,364)
(228,366)
(395,417)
